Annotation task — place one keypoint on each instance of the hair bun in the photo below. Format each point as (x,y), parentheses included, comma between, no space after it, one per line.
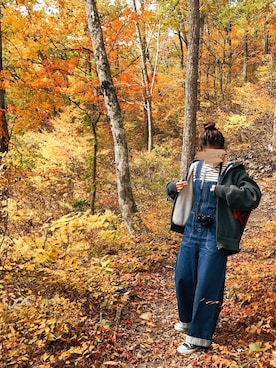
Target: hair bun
(210,125)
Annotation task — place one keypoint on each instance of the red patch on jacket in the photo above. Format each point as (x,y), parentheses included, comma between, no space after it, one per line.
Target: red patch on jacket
(241,216)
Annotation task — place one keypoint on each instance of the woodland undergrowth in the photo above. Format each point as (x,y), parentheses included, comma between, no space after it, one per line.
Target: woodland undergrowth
(76,290)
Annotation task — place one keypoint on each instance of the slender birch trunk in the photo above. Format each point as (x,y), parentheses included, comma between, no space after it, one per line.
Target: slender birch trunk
(148,85)
(125,196)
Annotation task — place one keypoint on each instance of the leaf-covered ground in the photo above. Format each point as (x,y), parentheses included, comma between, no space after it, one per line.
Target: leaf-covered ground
(55,314)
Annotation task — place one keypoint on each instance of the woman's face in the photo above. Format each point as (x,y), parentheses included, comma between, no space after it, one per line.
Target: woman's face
(212,155)
(212,147)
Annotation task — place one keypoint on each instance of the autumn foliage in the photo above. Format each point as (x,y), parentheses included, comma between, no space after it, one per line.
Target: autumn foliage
(76,289)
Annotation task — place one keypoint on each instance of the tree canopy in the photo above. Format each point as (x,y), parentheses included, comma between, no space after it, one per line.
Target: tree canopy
(48,60)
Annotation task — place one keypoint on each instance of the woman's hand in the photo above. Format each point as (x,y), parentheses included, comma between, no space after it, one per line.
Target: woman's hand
(212,189)
(180,185)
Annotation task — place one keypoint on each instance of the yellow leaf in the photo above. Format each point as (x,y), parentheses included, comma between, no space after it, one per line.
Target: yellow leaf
(73,350)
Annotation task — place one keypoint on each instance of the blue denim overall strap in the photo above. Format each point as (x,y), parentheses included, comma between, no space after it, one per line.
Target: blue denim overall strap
(200,269)
(205,202)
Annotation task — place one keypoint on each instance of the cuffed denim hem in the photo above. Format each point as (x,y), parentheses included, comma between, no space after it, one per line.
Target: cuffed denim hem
(198,341)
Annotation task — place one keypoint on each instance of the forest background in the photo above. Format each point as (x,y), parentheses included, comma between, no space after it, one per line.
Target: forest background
(76,289)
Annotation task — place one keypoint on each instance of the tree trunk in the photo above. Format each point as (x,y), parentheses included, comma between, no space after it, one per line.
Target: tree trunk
(148,85)
(266,38)
(189,132)
(4,135)
(93,122)
(147,96)
(245,59)
(181,50)
(125,196)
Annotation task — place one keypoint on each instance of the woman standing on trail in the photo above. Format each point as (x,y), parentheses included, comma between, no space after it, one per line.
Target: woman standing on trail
(211,206)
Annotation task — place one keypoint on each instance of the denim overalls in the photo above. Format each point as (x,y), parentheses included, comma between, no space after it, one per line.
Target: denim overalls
(200,268)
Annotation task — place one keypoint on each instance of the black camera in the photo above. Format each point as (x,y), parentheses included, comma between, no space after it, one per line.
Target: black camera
(205,220)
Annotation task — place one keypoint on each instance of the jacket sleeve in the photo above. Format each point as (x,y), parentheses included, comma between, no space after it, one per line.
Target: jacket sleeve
(171,189)
(243,195)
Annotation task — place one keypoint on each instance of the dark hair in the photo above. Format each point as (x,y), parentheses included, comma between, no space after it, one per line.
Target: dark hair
(211,136)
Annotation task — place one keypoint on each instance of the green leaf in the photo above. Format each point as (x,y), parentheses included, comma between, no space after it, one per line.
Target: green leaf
(254,347)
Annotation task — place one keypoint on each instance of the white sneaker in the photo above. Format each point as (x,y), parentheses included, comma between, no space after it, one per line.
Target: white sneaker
(186,348)
(181,326)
